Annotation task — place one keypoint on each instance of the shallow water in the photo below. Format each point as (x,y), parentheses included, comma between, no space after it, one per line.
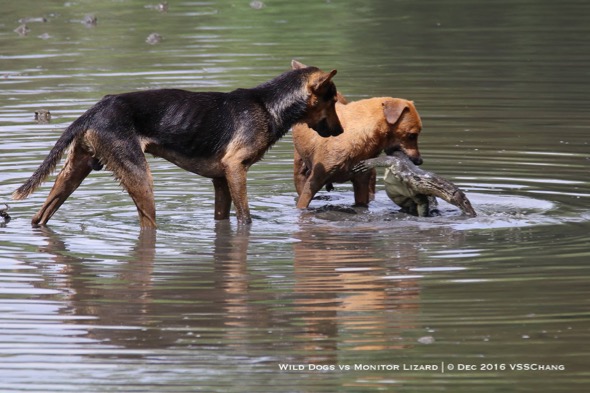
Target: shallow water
(90,303)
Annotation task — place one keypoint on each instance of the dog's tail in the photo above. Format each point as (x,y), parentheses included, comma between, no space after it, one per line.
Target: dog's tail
(48,165)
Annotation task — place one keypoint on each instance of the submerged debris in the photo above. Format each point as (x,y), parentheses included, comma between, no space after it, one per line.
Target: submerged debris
(4,214)
(162,7)
(153,38)
(90,20)
(256,4)
(42,116)
(426,340)
(40,19)
(22,30)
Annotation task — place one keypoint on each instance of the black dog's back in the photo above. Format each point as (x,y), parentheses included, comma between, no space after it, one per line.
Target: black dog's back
(195,124)
(201,124)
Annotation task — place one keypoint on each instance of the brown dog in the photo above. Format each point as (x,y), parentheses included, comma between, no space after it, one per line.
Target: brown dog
(370,126)
(216,135)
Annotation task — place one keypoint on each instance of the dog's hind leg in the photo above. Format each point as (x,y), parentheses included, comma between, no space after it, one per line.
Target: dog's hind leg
(141,191)
(76,167)
(222,198)
(136,178)
(128,164)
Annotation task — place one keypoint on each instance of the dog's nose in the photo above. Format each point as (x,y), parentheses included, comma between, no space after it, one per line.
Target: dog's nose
(337,129)
(324,129)
(417,161)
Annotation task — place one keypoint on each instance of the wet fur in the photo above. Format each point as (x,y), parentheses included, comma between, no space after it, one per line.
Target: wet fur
(216,135)
(370,126)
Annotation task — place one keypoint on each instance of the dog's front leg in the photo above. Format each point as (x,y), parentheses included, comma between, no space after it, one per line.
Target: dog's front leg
(362,189)
(300,172)
(316,179)
(235,176)
(222,198)
(310,188)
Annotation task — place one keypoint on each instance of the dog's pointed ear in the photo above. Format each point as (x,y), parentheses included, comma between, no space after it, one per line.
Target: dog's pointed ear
(296,65)
(393,110)
(324,79)
(340,98)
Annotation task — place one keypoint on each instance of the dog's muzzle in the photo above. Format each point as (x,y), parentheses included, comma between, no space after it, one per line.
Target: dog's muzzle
(416,160)
(324,129)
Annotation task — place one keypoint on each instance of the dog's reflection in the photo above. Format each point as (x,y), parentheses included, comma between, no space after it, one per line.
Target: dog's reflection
(148,299)
(350,293)
(343,290)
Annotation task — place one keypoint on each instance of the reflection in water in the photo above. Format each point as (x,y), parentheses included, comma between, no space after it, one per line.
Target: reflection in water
(124,298)
(341,292)
(136,308)
(346,294)
(362,292)
(358,287)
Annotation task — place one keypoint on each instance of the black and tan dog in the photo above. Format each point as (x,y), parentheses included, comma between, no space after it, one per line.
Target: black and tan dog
(216,135)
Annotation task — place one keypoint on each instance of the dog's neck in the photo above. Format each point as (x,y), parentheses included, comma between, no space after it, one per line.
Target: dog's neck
(285,99)
(286,113)
(369,136)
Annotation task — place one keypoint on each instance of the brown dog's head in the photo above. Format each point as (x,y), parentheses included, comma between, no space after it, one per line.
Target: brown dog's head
(322,96)
(405,125)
